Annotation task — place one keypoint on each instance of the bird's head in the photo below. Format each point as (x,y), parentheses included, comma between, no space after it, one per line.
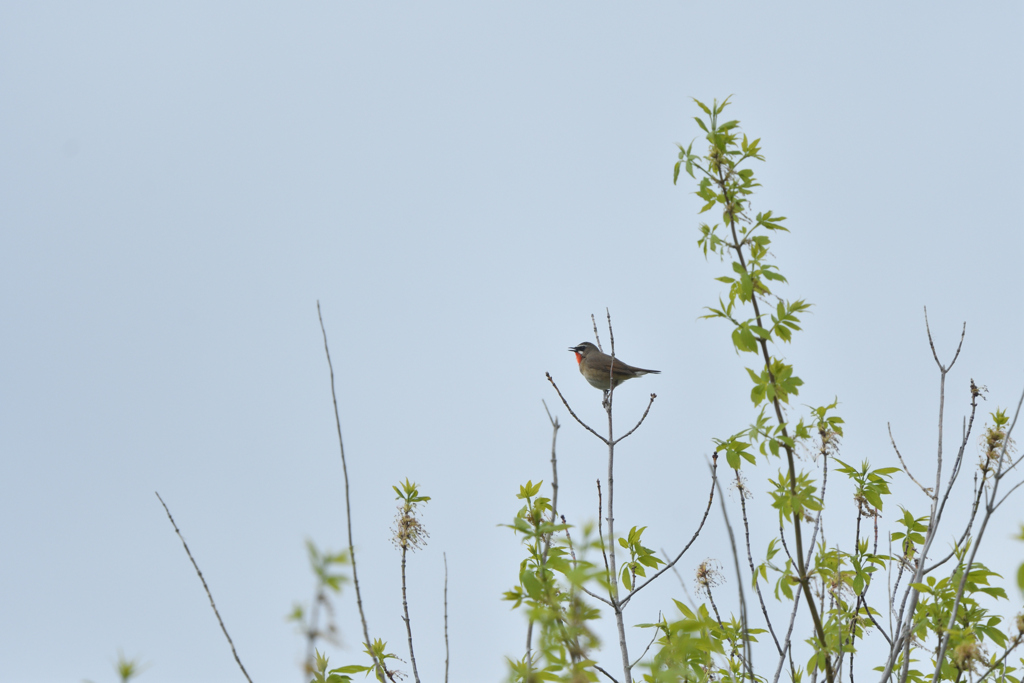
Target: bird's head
(582,350)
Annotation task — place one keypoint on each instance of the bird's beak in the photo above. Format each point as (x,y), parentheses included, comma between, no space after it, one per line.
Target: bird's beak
(574,349)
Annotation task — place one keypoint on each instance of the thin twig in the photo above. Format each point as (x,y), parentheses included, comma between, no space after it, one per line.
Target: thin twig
(597,337)
(566,403)
(554,508)
(975,392)
(648,644)
(787,640)
(206,588)
(742,489)
(406,617)
(978,490)
(445,556)
(554,461)
(905,468)
(747,655)
(932,344)
(1003,499)
(572,553)
(377,665)
(613,585)
(600,533)
(611,335)
(610,677)
(682,584)
(642,418)
(782,540)
(711,498)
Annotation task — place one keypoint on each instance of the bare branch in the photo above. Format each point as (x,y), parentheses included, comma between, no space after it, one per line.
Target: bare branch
(566,404)
(741,488)
(782,540)
(1003,499)
(600,535)
(611,335)
(637,661)
(642,418)
(554,505)
(711,498)
(748,661)
(788,639)
(682,584)
(378,667)
(445,556)
(407,619)
(206,588)
(597,337)
(975,392)
(902,462)
(610,677)
(943,369)
(554,461)
(572,552)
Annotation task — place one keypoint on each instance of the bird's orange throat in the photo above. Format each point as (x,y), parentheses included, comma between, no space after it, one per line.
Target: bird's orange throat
(579,358)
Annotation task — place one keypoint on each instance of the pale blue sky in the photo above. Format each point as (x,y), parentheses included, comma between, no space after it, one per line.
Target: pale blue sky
(461,186)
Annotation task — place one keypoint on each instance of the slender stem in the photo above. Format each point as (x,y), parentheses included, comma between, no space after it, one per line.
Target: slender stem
(445,555)
(788,640)
(566,403)
(600,535)
(906,469)
(747,656)
(554,462)
(610,677)
(206,588)
(741,487)
(408,622)
(554,508)
(378,667)
(613,584)
(672,564)
(642,418)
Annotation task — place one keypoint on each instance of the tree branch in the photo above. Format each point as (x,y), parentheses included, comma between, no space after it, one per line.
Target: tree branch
(206,588)
(566,403)
(377,665)
(711,498)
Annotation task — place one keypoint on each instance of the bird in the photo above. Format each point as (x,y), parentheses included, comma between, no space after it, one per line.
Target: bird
(595,366)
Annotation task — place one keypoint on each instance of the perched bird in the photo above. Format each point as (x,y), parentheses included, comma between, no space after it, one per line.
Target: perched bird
(595,366)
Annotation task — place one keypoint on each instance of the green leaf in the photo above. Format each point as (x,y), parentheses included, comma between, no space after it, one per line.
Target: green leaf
(351,669)
(531,584)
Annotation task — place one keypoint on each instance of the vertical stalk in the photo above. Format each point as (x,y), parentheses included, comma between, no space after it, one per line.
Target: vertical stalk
(613,590)
(377,665)
(408,623)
